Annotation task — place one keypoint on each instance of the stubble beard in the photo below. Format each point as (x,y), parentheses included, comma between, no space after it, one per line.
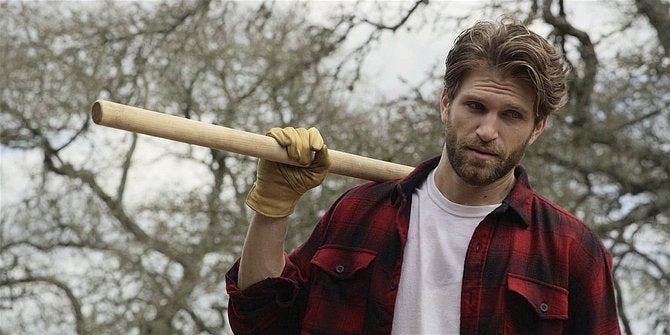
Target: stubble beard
(476,172)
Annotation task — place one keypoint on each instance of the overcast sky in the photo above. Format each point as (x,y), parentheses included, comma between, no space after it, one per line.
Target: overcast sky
(401,56)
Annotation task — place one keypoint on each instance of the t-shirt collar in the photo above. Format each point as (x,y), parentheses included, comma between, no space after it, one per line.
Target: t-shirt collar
(517,201)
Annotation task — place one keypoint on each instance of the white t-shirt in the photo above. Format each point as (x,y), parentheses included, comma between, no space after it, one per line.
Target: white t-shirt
(429,293)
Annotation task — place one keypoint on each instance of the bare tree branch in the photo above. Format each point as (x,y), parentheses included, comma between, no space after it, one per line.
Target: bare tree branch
(585,83)
(401,22)
(658,14)
(75,303)
(622,309)
(125,168)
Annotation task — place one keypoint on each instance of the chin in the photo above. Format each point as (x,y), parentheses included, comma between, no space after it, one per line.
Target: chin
(482,176)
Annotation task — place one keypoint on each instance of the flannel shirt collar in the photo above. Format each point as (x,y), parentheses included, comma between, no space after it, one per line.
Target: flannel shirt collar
(517,202)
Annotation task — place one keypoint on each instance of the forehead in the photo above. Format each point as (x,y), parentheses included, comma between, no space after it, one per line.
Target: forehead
(496,87)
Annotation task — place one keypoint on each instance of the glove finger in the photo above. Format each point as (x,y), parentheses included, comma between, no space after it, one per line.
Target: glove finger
(281,135)
(293,140)
(315,139)
(299,150)
(305,142)
(299,142)
(321,160)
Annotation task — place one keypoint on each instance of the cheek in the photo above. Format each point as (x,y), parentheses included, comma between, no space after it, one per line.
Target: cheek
(516,137)
(518,144)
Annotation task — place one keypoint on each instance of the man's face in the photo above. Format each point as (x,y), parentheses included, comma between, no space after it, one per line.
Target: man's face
(488,126)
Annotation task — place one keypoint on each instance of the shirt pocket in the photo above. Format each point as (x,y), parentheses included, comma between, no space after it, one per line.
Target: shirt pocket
(534,307)
(339,290)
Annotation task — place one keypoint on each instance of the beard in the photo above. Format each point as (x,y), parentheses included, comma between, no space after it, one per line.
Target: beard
(478,172)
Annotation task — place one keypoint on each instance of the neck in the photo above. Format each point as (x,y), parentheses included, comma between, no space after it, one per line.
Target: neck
(457,190)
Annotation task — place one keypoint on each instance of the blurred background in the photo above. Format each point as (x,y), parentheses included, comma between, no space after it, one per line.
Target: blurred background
(107,232)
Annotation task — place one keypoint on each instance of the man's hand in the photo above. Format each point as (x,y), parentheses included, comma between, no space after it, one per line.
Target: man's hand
(278,187)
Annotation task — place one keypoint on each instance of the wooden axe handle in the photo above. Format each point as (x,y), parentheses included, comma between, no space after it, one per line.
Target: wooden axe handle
(185,130)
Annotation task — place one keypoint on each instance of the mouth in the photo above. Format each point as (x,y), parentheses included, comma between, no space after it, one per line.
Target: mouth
(482,153)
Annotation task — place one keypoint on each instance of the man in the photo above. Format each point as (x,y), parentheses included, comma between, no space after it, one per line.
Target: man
(461,245)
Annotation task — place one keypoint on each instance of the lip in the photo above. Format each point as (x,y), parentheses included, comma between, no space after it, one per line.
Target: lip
(482,153)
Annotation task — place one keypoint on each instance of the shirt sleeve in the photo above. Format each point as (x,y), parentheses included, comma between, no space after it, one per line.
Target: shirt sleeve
(276,305)
(592,308)
(269,306)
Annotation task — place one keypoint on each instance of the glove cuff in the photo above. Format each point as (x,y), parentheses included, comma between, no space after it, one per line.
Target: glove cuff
(269,205)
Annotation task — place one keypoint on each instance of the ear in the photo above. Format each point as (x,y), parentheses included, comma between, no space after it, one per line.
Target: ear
(444,106)
(539,128)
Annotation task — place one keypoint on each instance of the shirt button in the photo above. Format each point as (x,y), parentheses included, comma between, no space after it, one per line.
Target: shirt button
(478,247)
(339,269)
(544,307)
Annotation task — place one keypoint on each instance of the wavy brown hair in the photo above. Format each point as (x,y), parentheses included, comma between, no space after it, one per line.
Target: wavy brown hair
(514,50)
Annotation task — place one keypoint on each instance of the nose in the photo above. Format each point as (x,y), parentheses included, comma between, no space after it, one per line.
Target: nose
(487,130)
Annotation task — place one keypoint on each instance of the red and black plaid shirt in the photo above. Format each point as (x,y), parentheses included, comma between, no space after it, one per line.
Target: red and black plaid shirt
(531,268)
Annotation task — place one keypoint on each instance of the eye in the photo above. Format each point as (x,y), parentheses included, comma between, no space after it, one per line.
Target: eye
(512,114)
(475,105)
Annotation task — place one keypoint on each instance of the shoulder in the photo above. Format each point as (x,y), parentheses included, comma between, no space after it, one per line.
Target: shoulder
(366,199)
(373,213)
(364,217)
(565,225)
(541,214)
(393,191)
(553,224)
(371,190)
(550,211)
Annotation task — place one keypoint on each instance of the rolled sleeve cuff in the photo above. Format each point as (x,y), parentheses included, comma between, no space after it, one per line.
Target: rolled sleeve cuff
(259,304)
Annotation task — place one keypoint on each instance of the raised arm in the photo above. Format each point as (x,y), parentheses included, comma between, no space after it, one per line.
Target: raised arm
(273,196)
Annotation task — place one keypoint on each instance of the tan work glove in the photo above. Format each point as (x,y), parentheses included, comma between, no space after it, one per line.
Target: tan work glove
(278,186)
